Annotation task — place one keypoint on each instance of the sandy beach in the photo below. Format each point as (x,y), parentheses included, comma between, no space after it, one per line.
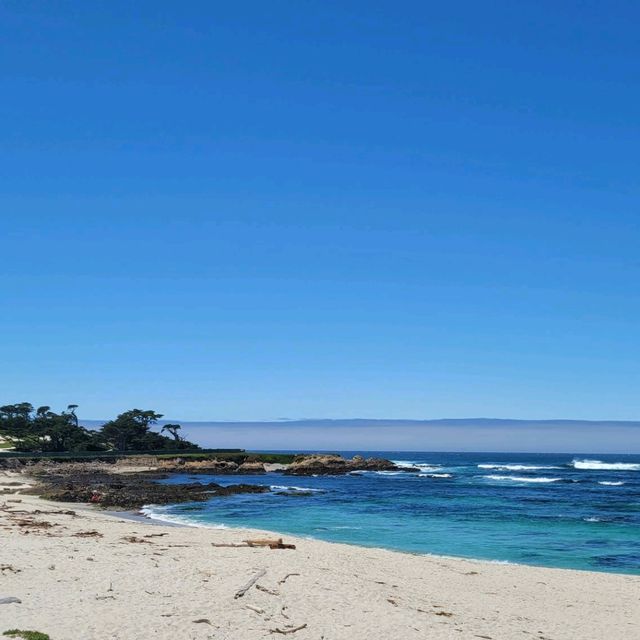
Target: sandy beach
(83,574)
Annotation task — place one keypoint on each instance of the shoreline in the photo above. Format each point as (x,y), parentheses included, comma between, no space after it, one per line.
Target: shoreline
(146,472)
(141,517)
(80,571)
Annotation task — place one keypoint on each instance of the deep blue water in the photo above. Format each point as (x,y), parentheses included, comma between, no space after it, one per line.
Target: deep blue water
(558,510)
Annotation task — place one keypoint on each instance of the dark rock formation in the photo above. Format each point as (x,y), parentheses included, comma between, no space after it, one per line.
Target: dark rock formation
(129,491)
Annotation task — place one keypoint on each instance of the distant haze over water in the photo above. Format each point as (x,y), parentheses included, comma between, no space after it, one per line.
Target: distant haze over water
(469,434)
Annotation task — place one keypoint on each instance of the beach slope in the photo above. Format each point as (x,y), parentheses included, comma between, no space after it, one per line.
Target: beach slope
(80,573)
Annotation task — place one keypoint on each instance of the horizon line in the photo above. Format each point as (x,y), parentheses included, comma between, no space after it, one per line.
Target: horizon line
(284,421)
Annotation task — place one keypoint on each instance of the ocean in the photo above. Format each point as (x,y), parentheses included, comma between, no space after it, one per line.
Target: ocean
(554,510)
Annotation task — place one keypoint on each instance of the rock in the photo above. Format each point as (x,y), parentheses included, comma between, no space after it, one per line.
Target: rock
(251,468)
(131,491)
(11,463)
(309,465)
(376,464)
(241,488)
(214,466)
(331,464)
(9,600)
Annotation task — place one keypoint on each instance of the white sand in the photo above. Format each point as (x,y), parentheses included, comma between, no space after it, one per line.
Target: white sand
(105,587)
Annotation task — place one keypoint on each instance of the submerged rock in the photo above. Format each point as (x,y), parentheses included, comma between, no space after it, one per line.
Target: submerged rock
(295,494)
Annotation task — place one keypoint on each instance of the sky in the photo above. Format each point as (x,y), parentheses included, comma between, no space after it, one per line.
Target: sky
(570,437)
(256,211)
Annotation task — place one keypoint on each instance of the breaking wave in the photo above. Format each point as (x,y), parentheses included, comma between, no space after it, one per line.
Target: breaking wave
(516,467)
(598,465)
(424,468)
(280,487)
(156,513)
(521,479)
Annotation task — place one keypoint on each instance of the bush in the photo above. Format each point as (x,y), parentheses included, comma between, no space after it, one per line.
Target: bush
(26,635)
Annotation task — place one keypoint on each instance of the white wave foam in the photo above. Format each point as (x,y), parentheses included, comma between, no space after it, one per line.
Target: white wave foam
(436,475)
(153,513)
(521,479)
(390,473)
(280,487)
(598,465)
(611,483)
(408,464)
(516,467)
(422,474)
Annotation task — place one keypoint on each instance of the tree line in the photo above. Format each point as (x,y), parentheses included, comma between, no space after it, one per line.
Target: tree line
(30,429)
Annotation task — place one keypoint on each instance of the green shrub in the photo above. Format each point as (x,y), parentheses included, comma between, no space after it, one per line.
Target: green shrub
(26,635)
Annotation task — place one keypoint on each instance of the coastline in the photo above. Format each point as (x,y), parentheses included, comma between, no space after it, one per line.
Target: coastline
(100,574)
(139,516)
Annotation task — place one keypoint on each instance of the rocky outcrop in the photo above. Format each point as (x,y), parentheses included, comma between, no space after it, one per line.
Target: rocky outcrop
(214,467)
(11,463)
(251,468)
(128,491)
(241,463)
(318,464)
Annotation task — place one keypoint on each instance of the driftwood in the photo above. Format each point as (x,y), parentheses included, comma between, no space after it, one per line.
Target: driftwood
(284,632)
(38,524)
(8,567)
(272,544)
(263,542)
(136,539)
(256,609)
(65,512)
(240,592)
(287,577)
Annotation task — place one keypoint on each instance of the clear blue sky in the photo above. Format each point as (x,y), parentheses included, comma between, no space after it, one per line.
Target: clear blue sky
(255,210)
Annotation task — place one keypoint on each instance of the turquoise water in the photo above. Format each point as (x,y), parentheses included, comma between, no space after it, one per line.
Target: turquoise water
(579,512)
